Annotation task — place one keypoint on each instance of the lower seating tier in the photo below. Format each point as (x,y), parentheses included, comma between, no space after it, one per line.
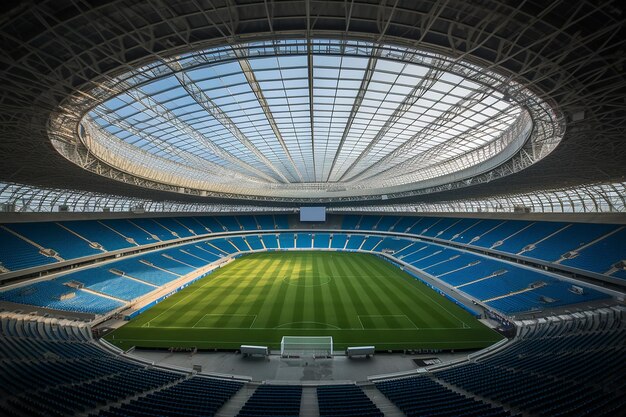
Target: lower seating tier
(502,285)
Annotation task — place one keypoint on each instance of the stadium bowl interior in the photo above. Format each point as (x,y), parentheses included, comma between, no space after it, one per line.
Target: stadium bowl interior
(316,208)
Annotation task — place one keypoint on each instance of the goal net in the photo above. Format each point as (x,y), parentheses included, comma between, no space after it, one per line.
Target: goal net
(298,346)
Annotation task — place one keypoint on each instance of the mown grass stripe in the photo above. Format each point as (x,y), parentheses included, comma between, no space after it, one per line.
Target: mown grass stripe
(403,302)
(360,301)
(376,303)
(349,301)
(337,298)
(265,285)
(254,286)
(319,306)
(269,314)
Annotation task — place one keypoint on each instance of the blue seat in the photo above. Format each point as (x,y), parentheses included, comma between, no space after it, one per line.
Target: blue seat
(273,400)
(321,241)
(102,280)
(16,253)
(54,295)
(130,230)
(602,255)
(52,236)
(304,240)
(345,400)
(174,226)
(97,232)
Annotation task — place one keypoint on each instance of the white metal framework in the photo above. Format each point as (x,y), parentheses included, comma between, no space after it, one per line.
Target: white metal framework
(309,119)
(66,59)
(594,198)
(27,199)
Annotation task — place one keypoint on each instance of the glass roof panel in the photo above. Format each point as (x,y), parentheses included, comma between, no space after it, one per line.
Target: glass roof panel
(291,117)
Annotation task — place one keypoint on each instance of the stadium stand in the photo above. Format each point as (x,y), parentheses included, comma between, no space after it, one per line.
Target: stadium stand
(321,241)
(50,235)
(575,245)
(456,228)
(187,258)
(393,245)
(173,226)
(153,228)
(386,223)
(270,241)
(102,280)
(531,233)
(248,222)
(222,245)
(129,230)
(402,226)
(354,242)
(565,365)
(239,243)
(273,400)
(568,239)
(600,255)
(281,222)
(501,285)
(54,295)
(201,251)
(265,222)
(304,241)
(192,224)
(345,400)
(254,242)
(371,243)
(199,396)
(286,240)
(161,260)
(421,396)
(228,223)
(134,268)
(367,223)
(571,244)
(95,231)
(212,225)
(557,368)
(338,241)
(16,253)
(57,370)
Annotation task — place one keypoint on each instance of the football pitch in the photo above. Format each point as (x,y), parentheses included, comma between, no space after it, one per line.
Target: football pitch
(358,299)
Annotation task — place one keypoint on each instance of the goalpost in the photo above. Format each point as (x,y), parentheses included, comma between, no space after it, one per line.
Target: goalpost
(298,346)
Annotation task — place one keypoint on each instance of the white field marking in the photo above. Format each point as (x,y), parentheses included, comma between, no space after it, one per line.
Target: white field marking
(253,321)
(264,328)
(280,326)
(362,327)
(306,328)
(261,341)
(172,306)
(222,315)
(387,315)
(332,276)
(286,280)
(437,302)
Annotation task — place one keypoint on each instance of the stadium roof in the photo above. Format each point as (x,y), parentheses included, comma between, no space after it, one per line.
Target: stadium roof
(341,102)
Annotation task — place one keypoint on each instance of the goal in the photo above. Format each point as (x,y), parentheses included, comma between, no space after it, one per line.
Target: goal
(298,346)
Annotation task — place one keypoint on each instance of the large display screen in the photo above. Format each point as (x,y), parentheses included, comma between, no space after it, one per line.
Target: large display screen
(312,214)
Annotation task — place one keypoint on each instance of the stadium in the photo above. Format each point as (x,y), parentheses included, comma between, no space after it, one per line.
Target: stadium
(312,208)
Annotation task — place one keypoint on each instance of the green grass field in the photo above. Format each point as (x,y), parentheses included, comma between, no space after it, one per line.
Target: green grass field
(357,298)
